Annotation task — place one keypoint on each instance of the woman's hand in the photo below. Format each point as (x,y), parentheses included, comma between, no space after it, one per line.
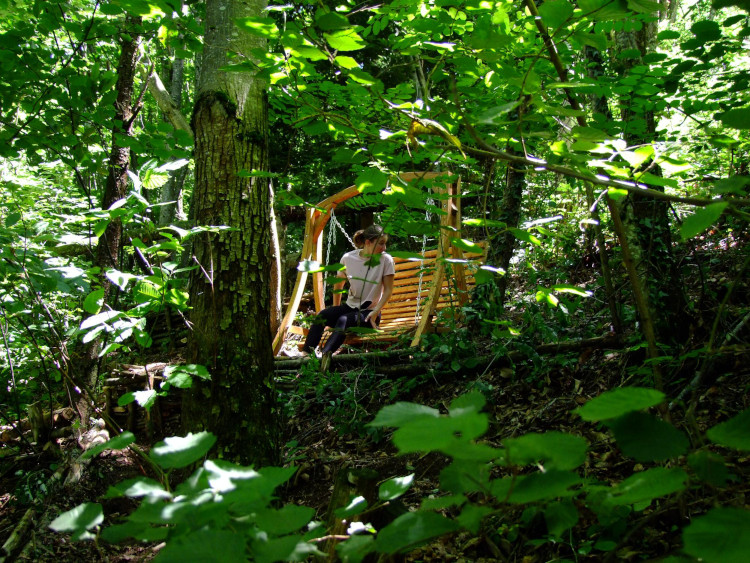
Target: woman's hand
(372,318)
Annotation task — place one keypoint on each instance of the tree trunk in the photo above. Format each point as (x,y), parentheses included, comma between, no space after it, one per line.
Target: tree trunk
(229,292)
(510,214)
(172,190)
(645,219)
(107,254)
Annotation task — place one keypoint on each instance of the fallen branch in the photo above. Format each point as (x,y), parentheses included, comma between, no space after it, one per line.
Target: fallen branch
(609,341)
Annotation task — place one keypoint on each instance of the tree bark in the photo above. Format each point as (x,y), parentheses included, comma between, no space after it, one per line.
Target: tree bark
(646,220)
(107,254)
(229,292)
(510,214)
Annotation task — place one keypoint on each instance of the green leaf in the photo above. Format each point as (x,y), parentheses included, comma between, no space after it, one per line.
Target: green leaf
(145,398)
(551,449)
(355,506)
(182,376)
(589,134)
(736,118)
(79,519)
(654,180)
(120,279)
(555,12)
(395,487)
(560,516)
(468,402)
(546,485)
(742,4)
(12,219)
(429,434)
(94,301)
(346,62)
(638,156)
(285,520)
(648,485)
(701,220)
(356,548)
(345,40)
(644,6)
(733,433)
(329,21)
(706,30)
(117,443)
(205,544)
(176,451)
(573,289)
(138,487)
(471,517)
(362,77)
(604,10)
(263,27)
(645,437)
(612,404)
(721,535)
(496,114)
(411,530)
(371,180)
(405,255)
(466,245)
(525,236)
(402,413)
(709,467)
(668,34)
(311,53)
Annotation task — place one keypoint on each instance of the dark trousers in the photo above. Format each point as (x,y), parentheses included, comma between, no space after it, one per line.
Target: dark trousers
(339,317)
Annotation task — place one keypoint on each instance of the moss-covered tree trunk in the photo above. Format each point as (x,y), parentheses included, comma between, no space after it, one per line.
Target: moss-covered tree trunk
(510,214)
(646,220)
(229,292)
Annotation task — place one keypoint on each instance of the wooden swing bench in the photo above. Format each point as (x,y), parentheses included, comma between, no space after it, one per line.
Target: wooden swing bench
(440,280)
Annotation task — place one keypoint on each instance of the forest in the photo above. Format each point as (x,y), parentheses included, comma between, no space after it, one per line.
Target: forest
(561,374)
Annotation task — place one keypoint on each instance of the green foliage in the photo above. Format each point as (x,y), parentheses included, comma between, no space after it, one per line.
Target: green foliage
(537,471)
(222,508)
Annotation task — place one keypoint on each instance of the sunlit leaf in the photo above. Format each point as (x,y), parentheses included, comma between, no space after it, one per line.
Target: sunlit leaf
(345,40)
(701,219)
(117,443)
(611,404)
(264,27)
(394,487)
(176,451)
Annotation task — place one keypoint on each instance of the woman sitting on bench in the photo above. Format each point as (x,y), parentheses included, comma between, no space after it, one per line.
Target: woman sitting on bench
(369,271)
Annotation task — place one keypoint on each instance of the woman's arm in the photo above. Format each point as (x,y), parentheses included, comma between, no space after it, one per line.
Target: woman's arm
(387,291)
(338,286)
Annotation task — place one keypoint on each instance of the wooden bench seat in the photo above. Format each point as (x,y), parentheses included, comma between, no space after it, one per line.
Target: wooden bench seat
(423,287)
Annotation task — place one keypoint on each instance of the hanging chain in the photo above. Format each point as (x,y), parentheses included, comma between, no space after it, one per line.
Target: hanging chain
(333,223)
(427,217)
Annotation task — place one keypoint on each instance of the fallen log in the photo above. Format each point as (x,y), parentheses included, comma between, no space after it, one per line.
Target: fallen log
(407,355)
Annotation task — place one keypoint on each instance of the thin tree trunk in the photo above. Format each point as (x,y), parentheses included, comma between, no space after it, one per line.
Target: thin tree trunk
(229,292)
(510,214)
(172,190)
(276,274)
(107,254)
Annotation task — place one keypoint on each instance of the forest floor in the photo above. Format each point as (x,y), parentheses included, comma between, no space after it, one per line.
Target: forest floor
(320,446)
(326,432)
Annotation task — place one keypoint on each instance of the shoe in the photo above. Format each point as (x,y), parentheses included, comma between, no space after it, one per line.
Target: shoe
(325,362)
(294,353)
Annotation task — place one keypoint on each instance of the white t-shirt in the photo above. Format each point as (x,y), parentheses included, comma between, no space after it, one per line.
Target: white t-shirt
(366,279)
